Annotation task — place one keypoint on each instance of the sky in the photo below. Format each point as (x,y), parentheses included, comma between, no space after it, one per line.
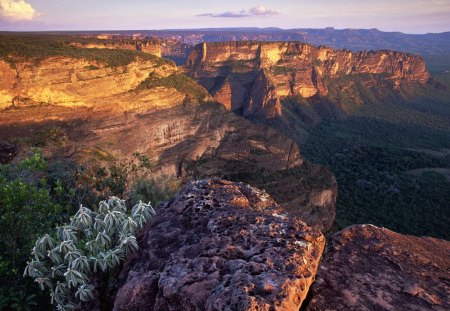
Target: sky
(412,16)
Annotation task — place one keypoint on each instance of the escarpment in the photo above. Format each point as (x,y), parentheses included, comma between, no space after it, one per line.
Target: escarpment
(253,77)
(108,113)
(219,245)
(73,82)
(147,46)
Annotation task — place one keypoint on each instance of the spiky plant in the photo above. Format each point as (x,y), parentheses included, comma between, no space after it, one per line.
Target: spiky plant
(93,242)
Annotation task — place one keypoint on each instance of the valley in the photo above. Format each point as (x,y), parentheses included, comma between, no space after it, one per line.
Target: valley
(264,153)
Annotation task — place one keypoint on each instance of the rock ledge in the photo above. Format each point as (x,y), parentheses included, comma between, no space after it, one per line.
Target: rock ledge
(220,245)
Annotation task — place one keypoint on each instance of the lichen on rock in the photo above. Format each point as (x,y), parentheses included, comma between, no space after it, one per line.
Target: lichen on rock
(220,245)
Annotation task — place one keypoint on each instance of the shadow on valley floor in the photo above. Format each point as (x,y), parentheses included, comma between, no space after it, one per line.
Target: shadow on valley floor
(371,159)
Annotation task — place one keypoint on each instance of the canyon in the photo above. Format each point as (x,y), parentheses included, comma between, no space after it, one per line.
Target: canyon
(106,114)
(248,229)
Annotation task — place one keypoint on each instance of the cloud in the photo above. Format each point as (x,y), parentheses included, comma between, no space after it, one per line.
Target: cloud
(259,10)
(17,10)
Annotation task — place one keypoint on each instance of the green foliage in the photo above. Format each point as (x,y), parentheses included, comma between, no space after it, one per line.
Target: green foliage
(152,190)
(27,210)
(36,47)
(93,242)
(371,160)
(18,300)
(180,82)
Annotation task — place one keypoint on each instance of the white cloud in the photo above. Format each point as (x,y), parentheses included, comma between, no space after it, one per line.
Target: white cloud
(259,10)
(17,10)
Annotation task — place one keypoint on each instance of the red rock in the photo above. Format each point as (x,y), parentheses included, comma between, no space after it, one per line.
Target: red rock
(371,268)
(255,76)
(220,245)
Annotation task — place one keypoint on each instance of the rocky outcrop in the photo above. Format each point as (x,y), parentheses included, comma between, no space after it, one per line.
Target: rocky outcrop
(371,268)
(147,46)
(254,76)
(73,82)
(219,245)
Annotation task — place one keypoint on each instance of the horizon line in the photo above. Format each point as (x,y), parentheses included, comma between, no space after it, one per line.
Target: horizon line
(218,29)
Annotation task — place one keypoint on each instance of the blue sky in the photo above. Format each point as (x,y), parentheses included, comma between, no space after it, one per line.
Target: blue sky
(413,16)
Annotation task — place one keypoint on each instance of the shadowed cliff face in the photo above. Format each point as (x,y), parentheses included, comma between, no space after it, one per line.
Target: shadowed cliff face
(253,77)
(107,113)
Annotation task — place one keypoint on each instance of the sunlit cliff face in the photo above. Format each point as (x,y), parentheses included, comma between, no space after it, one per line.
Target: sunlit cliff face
(255,76)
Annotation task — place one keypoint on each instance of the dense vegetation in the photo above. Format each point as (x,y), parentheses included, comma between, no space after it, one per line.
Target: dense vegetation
(35,47)
(37,196)
(389,150)
(372,163)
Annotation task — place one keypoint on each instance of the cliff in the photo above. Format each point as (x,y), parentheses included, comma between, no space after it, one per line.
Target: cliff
(147,107)
(73,82)
(219,245)
(147,46)
(253,77)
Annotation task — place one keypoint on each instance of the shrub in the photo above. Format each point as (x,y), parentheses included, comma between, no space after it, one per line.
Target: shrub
(93,242)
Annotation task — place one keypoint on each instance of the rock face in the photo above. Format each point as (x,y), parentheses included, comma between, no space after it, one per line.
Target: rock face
(253,77)
(103,116)
(72,82)
(147,46)
(220,245)
(370,268)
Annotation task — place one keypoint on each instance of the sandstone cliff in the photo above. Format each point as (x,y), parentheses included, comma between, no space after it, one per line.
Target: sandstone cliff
(72,82)
(253,77)
(220,245)
(114,112)
(148,46)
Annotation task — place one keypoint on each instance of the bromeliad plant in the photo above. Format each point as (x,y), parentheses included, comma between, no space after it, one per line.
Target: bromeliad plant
(93,242)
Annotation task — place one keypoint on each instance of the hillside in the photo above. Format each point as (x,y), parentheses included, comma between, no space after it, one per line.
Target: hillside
(368,116)
(109,112)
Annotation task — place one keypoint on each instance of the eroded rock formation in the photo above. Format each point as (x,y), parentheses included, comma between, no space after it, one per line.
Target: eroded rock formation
(147,46)
(74,82)
(220,245)
(103,114)
(253,77)
(371,268)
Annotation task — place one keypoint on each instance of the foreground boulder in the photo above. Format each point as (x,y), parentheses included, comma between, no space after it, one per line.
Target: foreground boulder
(220,245)
(371,268)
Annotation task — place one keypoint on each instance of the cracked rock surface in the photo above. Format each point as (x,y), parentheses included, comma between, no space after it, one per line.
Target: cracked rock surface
(371,268)
(220,245)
